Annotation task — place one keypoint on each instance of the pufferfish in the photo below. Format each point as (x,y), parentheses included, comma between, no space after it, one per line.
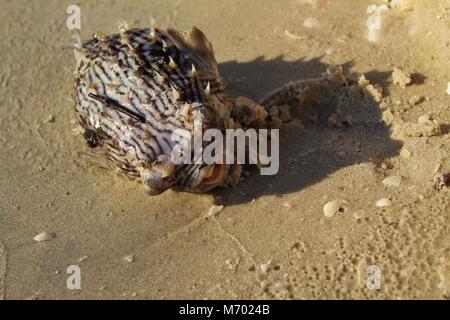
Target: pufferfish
(135,88)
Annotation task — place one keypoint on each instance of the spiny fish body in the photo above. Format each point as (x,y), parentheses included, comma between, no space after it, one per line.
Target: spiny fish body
(135,88)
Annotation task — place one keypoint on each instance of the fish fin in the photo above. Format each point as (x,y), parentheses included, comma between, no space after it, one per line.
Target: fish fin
(195,43)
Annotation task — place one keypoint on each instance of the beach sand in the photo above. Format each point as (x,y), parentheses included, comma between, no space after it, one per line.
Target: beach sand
(272,239)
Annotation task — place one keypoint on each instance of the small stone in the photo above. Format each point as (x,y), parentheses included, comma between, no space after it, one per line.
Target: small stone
(311,23)
(333,207)
(448,88)
(405,153)
(359,214)
(130,259)
(83,258)
(383,202)
(392,181)
(214,210)
(44,236)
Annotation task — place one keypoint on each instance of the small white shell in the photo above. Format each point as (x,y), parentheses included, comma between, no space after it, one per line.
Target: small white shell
(214,210)
(44,236)
(333,207)
(383,202)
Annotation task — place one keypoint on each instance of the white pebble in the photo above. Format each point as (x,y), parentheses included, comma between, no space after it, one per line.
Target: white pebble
(333,207)
(311,23)
(83,258)
(130,258)
(383,202)
(214,210)
(392,181)
(448,88)
(44,236)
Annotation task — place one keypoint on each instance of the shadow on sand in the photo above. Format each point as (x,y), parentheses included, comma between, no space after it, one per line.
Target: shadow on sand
(307,155)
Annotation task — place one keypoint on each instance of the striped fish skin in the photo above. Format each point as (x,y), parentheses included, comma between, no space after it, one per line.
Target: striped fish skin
(135,88)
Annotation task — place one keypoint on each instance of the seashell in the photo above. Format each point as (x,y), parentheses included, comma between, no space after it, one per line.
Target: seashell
(384,202)
(333,207)
(214,210)
(44,236)
(134,89)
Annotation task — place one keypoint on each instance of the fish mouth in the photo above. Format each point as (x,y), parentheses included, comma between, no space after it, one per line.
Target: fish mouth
(212,176)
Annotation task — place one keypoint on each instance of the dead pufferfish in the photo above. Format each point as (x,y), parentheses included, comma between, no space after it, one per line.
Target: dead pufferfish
(134,88)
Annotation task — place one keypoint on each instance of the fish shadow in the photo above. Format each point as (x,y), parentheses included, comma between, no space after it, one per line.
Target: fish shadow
(311,154)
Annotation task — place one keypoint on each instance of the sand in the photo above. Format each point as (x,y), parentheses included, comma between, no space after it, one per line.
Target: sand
(272,239)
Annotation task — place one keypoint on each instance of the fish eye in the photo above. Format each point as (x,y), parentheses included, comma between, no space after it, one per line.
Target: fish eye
(91,138)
